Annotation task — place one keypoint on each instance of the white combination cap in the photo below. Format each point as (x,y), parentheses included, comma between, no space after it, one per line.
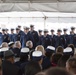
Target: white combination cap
(68,49)
(37,54)
(4,49)
(51,48)
(25,50)
(10,43)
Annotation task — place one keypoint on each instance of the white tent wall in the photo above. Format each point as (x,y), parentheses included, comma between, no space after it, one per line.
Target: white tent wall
(50,23)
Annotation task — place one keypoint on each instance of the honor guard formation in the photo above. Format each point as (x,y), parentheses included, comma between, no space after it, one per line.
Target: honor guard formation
(29,52)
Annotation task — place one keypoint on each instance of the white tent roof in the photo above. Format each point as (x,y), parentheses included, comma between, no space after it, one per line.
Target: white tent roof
(37,1)
(67,6)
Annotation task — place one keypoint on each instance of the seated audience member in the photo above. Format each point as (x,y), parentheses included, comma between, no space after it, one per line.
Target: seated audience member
(2,50)
(17,48)
(55,58)
(62,61)
(24,57)
(73,50)
(29,44)
(59,49)
(71,65)
(11,45)
(40,48)
(32,68)
(4,44)
(56,71)
(8,67)
(48,53)
(37,56)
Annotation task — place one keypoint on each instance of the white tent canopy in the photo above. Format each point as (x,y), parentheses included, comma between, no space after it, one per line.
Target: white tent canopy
(67,6)
(44,13)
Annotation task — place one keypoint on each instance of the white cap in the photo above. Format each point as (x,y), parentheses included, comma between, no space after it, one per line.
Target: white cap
(25,50)
(24,27)
(4,49)
(45,30)
(68,49)
(10,43)
(51,48)
(37,54)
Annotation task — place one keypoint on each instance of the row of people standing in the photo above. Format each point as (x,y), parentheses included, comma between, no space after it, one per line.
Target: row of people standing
(57,40)
(37,38)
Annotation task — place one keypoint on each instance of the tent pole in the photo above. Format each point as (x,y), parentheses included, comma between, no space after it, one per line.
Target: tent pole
(45,22)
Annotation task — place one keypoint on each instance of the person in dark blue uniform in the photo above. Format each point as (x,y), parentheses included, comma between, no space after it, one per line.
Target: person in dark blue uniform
(19,35)
(73,36)
(66,38)
(74,40)
(38,57)
(40,37)
(24,58)
(20,32)
(1,38)
(12,35)
(5,37)
(46,61)
(34,35)
(59,39)
(25,38)
(7,31)
(53,37)
(47,41)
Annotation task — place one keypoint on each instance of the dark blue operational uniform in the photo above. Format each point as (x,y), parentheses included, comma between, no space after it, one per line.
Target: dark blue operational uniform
(46,63)
(5,37)
(59,39)
(40,37)
(1,38)
(19,35)
(74,40)
(72,36)
(46,60)
(47,41)
(24,58)
(66,38)
(53,38)
(12,36)
(35,37)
